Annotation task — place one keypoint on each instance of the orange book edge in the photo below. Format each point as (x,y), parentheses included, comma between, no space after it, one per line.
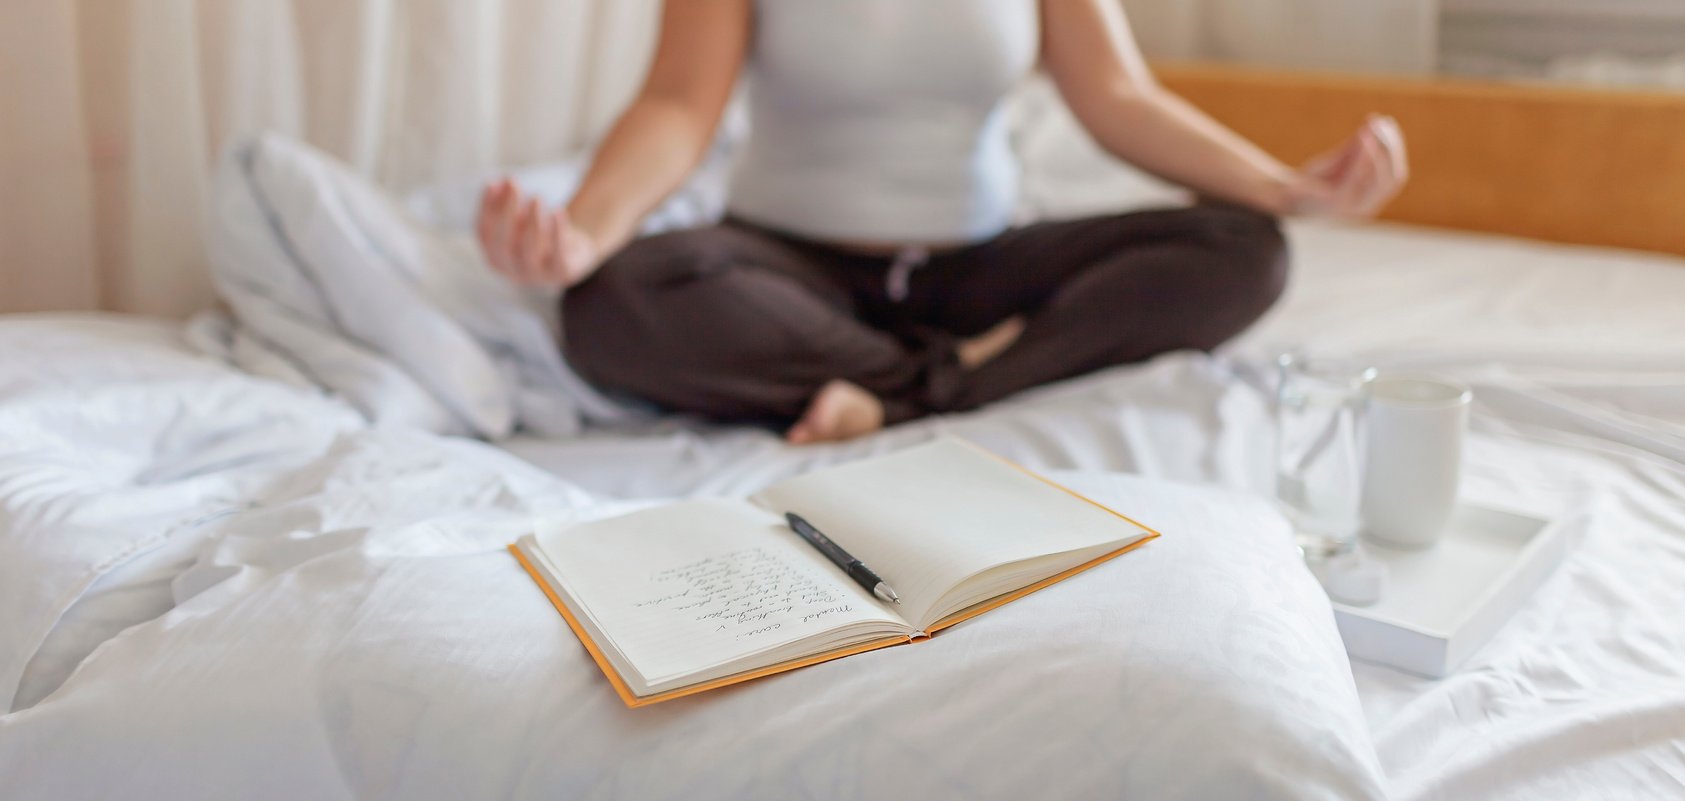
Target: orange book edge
(633,701)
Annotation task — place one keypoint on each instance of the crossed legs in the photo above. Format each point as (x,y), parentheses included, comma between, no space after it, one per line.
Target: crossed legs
(736,323)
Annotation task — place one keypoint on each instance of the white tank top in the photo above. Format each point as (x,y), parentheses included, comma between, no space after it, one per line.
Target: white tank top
(883,120)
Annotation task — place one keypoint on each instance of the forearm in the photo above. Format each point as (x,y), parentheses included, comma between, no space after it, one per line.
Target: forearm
(652,147)
(1152,128)
(646,155)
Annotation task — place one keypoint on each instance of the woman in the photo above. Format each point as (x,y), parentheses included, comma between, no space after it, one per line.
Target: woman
(867,273)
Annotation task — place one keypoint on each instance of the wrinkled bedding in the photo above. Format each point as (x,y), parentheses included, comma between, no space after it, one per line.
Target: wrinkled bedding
(164,513)
(1577,357)
(347,624)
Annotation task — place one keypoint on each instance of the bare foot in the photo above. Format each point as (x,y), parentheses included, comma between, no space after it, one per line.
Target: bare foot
(975,351)
(839,411)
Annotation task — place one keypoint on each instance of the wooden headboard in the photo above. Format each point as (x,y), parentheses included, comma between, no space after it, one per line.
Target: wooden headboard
(1569,165)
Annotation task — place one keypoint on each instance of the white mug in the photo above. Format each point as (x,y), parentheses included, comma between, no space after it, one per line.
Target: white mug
(1415,428)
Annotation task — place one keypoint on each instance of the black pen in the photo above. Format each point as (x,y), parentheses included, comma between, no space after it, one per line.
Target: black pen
(855,568)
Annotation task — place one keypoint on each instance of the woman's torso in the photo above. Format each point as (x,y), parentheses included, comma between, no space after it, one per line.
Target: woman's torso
(882,121)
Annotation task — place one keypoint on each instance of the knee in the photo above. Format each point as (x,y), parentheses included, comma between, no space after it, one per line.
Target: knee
(612,321)
(635,268)
(1252,251)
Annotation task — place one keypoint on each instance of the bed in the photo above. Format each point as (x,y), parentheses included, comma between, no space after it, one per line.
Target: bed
(150,564)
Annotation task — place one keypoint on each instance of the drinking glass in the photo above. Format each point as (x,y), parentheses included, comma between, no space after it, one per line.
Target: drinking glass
(1318,453)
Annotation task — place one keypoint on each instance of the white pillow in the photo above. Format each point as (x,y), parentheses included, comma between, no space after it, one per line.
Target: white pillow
(316,261)
(403,320)
(418,661)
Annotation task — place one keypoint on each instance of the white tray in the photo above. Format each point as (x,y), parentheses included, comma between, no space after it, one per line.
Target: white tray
(1442,603)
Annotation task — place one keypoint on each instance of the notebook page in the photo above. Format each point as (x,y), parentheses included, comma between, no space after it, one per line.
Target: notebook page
(682,588)
(926,518)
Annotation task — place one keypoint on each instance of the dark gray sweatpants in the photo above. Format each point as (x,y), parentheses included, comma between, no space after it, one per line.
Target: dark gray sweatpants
(738,323)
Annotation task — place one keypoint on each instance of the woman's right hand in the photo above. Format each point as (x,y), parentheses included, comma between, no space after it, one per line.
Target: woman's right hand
(531,246)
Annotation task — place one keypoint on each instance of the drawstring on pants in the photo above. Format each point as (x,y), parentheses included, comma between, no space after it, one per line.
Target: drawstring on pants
(896,282)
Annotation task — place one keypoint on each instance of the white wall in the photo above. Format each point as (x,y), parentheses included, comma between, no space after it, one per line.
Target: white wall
(1592,41)
(1358,35)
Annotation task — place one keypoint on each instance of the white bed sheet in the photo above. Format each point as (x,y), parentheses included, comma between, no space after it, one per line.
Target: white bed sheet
(1578,358)
(1566,340)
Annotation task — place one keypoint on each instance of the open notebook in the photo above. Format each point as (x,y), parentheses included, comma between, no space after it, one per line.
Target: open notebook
(700,594)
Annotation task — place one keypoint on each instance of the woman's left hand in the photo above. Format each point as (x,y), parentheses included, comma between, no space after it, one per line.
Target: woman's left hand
(1358,178)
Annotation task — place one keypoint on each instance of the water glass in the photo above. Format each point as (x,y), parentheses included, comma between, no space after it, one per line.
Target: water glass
(1318,454)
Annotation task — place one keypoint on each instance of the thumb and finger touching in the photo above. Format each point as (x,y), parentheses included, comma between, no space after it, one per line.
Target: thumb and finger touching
(497,207)
(527,243)
(1358,178)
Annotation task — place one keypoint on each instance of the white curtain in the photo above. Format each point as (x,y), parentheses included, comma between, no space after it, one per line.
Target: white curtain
(111,112)
(1357,35)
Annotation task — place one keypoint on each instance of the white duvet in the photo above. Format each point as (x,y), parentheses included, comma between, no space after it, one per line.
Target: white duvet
(214,584)
(344,625)
(348,625)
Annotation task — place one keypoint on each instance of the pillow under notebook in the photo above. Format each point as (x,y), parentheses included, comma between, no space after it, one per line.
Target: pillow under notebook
(1203,666)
